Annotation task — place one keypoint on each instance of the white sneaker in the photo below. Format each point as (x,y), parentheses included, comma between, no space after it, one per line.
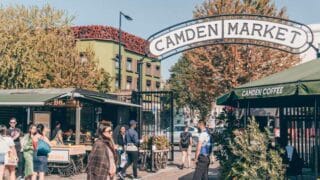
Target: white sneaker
(121,175)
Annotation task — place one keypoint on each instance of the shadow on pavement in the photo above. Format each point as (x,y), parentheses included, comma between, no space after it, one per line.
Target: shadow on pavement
(172,164)
(213,175)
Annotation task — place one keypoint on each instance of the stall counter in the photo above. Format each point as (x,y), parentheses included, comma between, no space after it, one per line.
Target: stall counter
(63,153)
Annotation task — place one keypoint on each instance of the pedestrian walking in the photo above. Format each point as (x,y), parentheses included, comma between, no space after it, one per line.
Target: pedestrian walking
(28,152)
(8,154)
(15,133)
(132,139)
(185,147)
(102,159)
(120,146)
(203,151)
(42,147)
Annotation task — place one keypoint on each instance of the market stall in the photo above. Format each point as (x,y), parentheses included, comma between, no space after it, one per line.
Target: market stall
(295,93)
(79,112)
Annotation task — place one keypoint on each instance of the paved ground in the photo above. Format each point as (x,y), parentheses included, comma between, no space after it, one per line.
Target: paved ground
(172,172)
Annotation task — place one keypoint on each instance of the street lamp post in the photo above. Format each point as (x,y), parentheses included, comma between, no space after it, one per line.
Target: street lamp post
(119,54)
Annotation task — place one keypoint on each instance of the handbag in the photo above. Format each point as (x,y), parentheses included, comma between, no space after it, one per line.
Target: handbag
(43,148)
(10,159)
(131,147)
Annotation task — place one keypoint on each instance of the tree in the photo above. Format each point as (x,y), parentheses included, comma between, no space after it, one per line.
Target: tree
(246,152)
(250,156)
(219,68)
(181,73)
(185,89)
(38,50)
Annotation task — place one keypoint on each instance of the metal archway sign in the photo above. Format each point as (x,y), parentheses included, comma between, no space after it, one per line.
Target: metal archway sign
(273,32)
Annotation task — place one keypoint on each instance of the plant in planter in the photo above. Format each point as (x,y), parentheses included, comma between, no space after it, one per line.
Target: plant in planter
(146,144)
(161,142)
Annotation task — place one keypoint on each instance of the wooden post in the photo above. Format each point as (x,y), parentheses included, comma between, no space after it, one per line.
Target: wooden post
(78,121)
(28,116)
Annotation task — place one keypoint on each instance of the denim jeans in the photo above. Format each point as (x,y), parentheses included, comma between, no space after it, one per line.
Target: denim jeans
(2,155)
(202,168)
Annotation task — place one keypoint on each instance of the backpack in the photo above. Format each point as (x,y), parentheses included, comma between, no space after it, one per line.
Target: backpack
(185,139)
(211,142)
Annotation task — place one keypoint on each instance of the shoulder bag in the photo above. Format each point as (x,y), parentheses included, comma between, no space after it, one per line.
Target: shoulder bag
(43,148)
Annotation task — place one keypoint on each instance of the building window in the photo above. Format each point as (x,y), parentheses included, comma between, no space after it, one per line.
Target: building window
(158,86)
(129,83)
(117,62)
(148,85)
(138,66)
(129,64)
(157,71)
(148,68)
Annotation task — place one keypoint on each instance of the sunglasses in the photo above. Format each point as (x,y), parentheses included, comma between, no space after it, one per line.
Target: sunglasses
(12,122)
(109,131)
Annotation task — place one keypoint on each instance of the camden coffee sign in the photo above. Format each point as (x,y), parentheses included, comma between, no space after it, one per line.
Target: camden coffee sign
(268,91)
(265,31)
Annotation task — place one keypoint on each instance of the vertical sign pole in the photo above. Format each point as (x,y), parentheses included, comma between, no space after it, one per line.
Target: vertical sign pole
(78,121)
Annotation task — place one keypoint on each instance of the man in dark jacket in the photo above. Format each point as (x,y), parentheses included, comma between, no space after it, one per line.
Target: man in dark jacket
(132,140)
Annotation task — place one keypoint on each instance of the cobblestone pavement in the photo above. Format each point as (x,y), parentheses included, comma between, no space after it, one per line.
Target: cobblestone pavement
(172,172)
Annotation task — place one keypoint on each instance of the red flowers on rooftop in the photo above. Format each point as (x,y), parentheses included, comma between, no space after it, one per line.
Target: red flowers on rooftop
(131,42)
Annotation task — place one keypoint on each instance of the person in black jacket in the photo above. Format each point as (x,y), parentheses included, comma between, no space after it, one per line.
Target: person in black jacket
(121,138)
(120,145)
(294,162)
(132,140)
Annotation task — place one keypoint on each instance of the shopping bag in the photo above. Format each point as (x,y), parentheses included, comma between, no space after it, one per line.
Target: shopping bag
(10,159)
(123,159)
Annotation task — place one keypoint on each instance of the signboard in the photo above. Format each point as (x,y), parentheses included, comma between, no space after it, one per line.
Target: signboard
(43,117)
(59,155)
(266,31)
(267,91)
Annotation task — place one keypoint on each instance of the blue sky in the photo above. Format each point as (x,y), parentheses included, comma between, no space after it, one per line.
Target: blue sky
(151,16)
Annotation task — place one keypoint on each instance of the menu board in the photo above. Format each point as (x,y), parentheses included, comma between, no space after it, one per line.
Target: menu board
(42,117)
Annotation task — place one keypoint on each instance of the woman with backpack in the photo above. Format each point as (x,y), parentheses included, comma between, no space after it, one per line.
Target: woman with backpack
(42,147)
(185,146)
